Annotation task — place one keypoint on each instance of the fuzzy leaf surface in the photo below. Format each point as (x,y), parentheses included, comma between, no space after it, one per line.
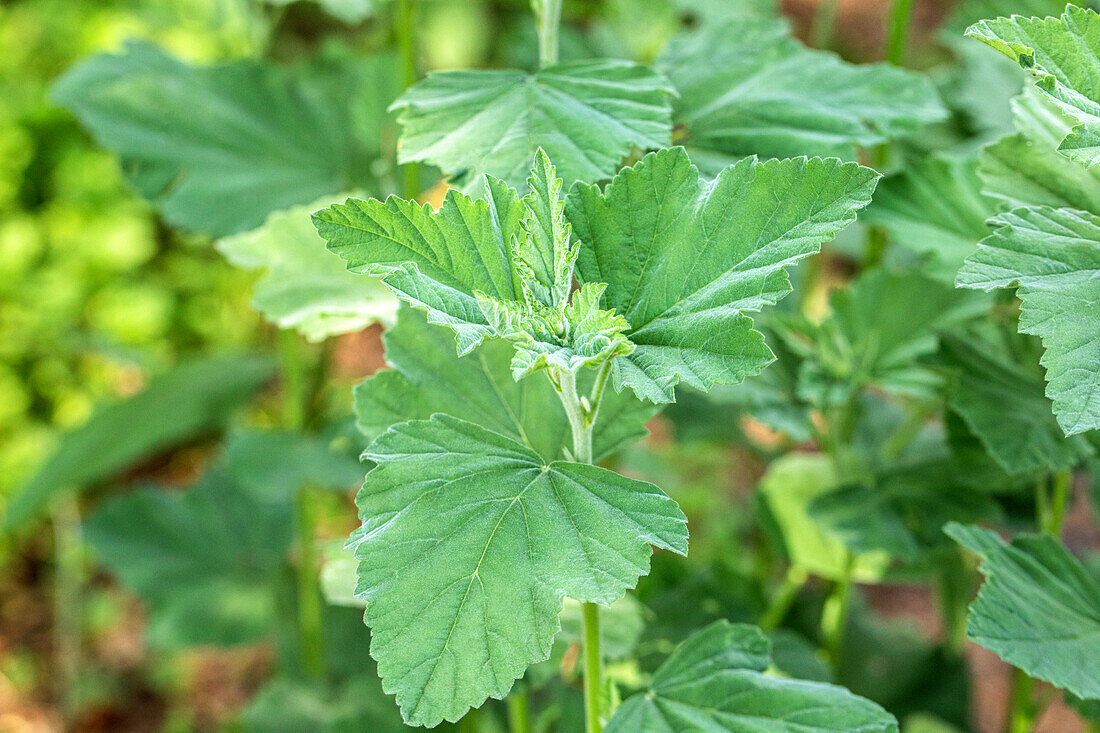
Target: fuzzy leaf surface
(1039,608)
(469,542)
(426,378)
(748,87)
(714,682)
(304,286)
(218,148)
(1052,257)
(1064,56)
(684,258)
(586,115)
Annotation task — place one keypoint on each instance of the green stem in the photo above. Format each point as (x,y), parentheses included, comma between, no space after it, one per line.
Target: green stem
(1056,505)
(406,43)
(834,617)
(593,667)
(582,413)
(1021,716)
(519,712)
(68,579)
(296,405)
(783,599)
(898,32)
(471,721)
(548,19)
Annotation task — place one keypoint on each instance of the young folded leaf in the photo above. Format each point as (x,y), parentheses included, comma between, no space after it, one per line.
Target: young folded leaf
(587,115)
(684,257)
(426,377)
(1063,54)
(497,266)
(1039,608)
(715,681)
(1052,257)
(469,542)
(747,86)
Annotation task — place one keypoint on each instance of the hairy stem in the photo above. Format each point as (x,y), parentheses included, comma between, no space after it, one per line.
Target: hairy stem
(406,43)
(582,418)
(548,19)
(295,409)
(593,667)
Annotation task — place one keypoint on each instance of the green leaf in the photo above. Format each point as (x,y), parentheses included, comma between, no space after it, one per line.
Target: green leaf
(469,542)
(789,488)
(587,115)
(936,209)
(1052,257)
(714,681)
(1026,169)
(1062,54)
(434,260)
(207,561)
(684,258)
(1006,409)
(305,287)
(864,520)
(219,148)
(194,398)
(875,334)
(1039,608)
(747,87)
(427,378)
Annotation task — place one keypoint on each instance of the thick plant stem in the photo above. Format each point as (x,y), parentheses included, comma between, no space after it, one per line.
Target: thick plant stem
(406,43)
(593,667)
(547,19)
(898,32)
(68,579)
(519,712)
(295,410)
(582,413)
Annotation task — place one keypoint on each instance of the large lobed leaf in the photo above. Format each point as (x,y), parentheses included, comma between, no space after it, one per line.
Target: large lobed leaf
(684,258)
(469,542)
(219,148)
(1064,55)
(715,682)
(587,115)
(1052,257)
(1039,608)
(178,406)
(304,286)
(427,378)
(747,87)
(1006,409)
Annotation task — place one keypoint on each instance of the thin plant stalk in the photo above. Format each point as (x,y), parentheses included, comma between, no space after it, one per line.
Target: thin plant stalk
(547,20)
(310,608)
(825,23)
(406,43)
(783,598)
(1055,504)
(68,602)
(1022,712)
(898,31)
(519,712)
(834,618)
(593,668)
